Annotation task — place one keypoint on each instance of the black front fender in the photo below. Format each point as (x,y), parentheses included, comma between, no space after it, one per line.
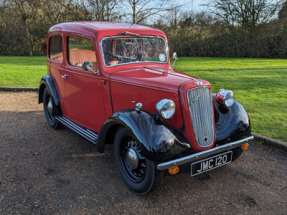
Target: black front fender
(157,140)
(47,81)
(232,123)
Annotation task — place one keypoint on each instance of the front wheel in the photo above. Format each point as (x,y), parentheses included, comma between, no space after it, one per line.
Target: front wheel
(139,173)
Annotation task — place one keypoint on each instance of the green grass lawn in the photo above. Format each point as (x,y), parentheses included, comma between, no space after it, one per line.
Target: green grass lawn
(260,85)
(22,71)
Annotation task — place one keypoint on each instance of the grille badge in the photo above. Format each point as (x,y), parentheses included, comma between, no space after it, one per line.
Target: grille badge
(195,99)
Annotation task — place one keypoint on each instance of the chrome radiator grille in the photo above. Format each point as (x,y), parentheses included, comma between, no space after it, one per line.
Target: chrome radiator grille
(201,114)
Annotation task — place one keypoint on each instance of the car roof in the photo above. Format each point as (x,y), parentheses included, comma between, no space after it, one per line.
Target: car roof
(101,29)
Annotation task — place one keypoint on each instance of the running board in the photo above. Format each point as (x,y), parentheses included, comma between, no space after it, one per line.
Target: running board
(86,133)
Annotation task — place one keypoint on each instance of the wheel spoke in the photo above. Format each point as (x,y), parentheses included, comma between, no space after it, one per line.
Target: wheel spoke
(133,161)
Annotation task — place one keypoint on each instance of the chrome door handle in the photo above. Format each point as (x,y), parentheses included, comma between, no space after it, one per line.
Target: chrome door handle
(64,76)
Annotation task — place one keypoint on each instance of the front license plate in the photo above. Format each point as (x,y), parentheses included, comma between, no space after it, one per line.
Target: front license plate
(210,163)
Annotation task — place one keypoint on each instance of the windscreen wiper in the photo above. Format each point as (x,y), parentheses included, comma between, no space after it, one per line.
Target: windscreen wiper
(130,33)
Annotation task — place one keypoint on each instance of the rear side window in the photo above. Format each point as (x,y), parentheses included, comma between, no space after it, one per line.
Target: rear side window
(56,48)
(80,50)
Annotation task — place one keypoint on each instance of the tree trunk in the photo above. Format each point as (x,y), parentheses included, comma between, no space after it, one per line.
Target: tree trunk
(134,12)
(28,36)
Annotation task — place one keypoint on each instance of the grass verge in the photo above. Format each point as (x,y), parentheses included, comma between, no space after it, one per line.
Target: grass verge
(22,71)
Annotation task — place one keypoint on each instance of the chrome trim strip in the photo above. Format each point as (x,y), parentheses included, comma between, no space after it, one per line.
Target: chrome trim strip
(63,119)
(70,123)
(87,134)
(92,133)
(78,131)
(203,154)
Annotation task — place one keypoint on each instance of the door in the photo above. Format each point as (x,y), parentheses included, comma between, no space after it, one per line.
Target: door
(83,89)
(56,64)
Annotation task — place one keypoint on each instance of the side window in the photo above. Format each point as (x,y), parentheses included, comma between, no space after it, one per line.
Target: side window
(56,48)
(80,50)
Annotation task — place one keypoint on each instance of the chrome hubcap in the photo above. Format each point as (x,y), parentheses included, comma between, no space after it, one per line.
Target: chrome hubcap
(50,106)
(132,158)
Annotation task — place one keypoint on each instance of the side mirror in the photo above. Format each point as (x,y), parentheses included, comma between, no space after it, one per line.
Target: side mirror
(87,65)
(174,57)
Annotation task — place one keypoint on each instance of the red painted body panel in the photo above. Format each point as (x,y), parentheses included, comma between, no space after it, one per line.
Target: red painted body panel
(89,99)
(84,98)
(157,78)
(147,86)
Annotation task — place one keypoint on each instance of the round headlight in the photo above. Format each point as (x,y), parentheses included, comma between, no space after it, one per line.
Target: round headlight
(225,97)
(165,108)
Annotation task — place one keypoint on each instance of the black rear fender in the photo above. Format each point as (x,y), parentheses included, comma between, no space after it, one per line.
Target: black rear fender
(47,81)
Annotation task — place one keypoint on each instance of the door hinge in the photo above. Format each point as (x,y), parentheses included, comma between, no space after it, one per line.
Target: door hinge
(103,82)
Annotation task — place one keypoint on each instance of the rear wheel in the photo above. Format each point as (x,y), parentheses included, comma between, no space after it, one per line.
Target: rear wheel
(49,106)
(139,173)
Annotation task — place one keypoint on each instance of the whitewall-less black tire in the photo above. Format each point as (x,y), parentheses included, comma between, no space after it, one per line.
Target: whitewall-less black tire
(139,173)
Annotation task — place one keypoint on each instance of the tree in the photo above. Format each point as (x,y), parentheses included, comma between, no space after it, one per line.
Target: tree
(26,10)
(105,10)
(283,12)
(24,23)
(248,14)
(142,9)
(189,19)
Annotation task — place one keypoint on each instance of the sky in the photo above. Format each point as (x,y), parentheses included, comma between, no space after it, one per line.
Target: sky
(196,4)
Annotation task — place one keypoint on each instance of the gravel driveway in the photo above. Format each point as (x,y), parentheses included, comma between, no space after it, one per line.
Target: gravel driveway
(58,172)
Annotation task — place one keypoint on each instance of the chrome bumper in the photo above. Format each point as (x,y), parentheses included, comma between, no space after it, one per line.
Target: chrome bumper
(203,154)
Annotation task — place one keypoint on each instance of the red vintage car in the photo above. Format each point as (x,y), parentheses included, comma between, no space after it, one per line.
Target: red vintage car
(113,83)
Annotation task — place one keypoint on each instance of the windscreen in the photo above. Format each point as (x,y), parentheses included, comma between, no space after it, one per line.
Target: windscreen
(117,51)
